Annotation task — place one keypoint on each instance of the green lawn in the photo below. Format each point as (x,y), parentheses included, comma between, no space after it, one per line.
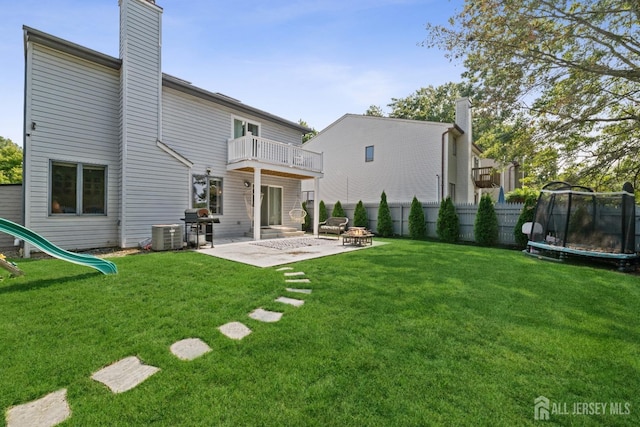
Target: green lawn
(408,333)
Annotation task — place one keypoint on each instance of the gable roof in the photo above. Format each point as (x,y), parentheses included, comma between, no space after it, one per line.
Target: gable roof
(56,43)
(351,116)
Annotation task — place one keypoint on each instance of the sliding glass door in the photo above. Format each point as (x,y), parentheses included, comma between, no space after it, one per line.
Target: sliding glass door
(271,209)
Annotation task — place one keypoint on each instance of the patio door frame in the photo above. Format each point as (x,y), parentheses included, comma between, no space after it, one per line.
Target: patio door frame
(270,214)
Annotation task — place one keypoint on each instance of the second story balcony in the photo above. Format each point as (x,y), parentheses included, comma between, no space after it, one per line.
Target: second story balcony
(486,177)
(249,152)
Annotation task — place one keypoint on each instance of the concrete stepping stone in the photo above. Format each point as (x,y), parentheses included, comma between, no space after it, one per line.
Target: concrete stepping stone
(284,268)
(189,348)
(125,374)
(291,301)
(294,273)
(265,315)
(47,411)
(299,291)
(298,281)
(235,330)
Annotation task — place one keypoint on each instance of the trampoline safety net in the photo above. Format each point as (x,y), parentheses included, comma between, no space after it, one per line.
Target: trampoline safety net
(577,218)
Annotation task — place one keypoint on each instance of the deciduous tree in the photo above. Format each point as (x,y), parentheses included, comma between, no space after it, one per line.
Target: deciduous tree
(568,70)
(10,162)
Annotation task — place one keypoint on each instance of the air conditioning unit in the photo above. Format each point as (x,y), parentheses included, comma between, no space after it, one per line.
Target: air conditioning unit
(166,237)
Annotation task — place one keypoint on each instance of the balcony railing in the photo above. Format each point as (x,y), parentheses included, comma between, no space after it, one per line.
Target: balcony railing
(266,151)
(485,177)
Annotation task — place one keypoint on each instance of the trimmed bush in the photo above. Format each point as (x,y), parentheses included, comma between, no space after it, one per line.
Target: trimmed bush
(526,215)
(485,229)
(360,218)
(322,215)
(417,225)
(385,223)
(307,225)
(448,225)
(337,210)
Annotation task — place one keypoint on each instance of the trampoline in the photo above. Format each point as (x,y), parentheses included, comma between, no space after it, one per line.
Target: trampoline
(572,220)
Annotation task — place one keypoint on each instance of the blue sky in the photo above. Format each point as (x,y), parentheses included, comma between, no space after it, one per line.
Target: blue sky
(299,59)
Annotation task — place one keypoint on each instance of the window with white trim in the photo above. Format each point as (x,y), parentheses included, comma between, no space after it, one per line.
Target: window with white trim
(242,127)
(207,193)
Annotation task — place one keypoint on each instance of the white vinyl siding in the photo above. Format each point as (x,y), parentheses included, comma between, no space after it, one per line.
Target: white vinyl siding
(199,130)
(74,105)
(155,184)
(407,159)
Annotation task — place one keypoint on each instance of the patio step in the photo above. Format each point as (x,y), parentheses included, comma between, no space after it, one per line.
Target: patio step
(280,232)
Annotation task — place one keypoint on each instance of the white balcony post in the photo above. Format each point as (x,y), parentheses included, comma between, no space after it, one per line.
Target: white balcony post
(257,188)
(316,206)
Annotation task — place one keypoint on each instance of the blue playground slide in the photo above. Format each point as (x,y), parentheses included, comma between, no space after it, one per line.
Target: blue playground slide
(23,233)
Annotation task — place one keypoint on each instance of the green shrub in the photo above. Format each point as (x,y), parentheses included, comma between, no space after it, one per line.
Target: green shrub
(521,195)
(485,229)
(322,215)
(448,225)
(417,225)
(308,224)
(337,210)
(526,215)
(385,223)
(360,218)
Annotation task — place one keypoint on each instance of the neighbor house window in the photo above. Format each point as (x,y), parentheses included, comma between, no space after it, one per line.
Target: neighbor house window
(368,153)
(78,188)
(454,148)
(452,191)
(207,193)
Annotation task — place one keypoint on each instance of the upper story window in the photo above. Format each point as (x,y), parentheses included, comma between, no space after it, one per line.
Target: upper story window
(242,127)
(368,153)
(77,188)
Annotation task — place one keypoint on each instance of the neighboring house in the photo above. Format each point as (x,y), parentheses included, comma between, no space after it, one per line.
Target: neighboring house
(114,146)
(365,155)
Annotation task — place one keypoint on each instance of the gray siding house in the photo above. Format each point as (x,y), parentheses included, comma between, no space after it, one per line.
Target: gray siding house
(113,146)
(364,155)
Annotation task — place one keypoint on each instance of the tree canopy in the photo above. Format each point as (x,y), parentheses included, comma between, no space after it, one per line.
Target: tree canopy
(564,75)
(10,162)
(309,135)
(432,104)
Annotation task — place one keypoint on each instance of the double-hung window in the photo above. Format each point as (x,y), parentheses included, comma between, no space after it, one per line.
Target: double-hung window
(78,188)
(207,193)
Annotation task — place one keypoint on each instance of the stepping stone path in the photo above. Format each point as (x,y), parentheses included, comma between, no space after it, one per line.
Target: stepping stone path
(290,301)
(265,316)
(47,411)
(189,349)
(124,374)
(127,373)
(299,291)
(235,330)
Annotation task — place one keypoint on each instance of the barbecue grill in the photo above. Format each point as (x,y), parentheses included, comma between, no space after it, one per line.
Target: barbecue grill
(198,222)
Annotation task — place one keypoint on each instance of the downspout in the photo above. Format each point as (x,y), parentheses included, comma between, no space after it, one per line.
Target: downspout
(442,163)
